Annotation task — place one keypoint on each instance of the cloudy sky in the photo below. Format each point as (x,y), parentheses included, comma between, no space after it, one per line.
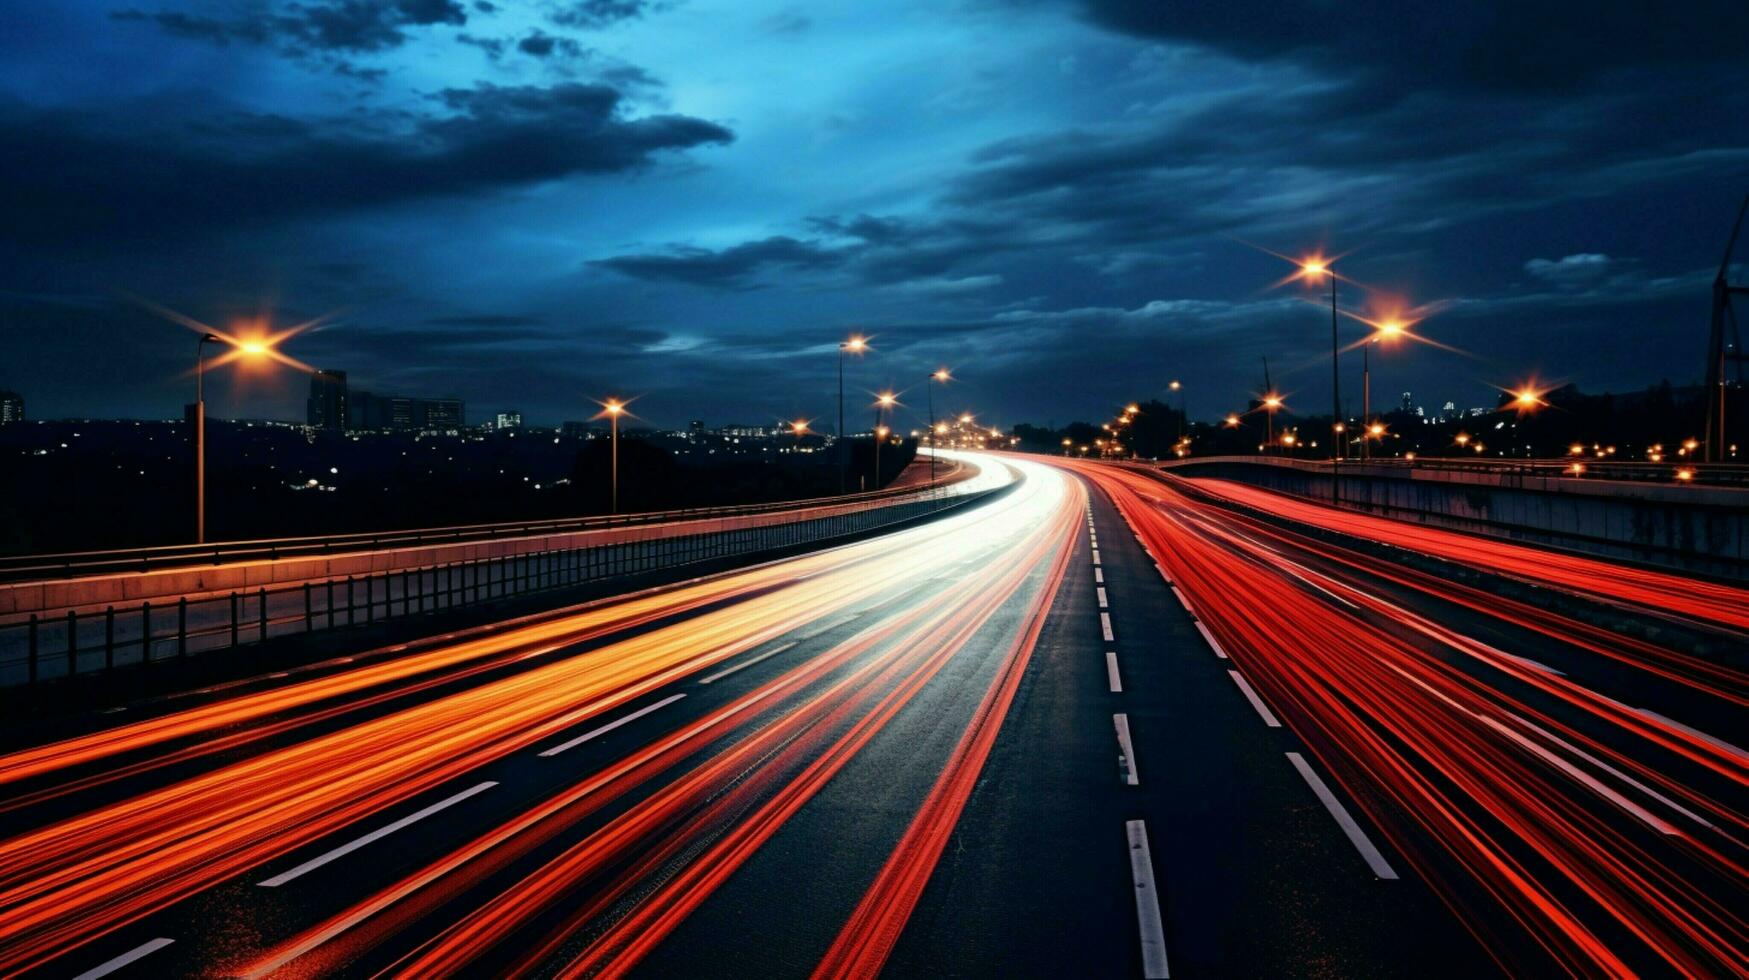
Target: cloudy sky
(1069,202)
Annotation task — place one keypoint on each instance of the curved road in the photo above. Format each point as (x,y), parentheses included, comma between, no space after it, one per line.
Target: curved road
(1001,743)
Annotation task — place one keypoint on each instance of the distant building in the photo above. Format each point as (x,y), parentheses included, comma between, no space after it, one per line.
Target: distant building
(695,430)
(574,430)
(510,419)
(11,407)
(1408,402)
(404,414)
(327,405)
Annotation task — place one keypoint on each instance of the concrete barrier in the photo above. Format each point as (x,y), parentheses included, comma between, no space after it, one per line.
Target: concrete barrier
(1694,528)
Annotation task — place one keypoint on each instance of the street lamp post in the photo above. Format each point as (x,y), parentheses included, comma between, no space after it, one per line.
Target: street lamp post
(856,345)
(942,376)
(1386,330)
(1183,414)
(200,435)
(885,401)
(614,408)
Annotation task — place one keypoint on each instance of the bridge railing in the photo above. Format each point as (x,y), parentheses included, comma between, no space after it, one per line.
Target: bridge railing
(1590,469)
(26,568)
(49,648)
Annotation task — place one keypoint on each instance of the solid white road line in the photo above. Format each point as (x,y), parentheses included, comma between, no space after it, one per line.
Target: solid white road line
(1105,626)
(1126,750)
(610,726)
(1099,575)
(107,967)
(743,665)
(1111,672)
(1204,630)
(1183,601)
(1356,836)
(1103,604)
(1256,702)
(1147,902)
(374,836)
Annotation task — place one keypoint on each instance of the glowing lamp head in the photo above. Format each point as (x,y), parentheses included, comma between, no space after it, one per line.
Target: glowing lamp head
(1375,429)
(882,431)
(253,348)
(941,428)
(1526,398)
(887,399)
(966,419)
(1272,401)
(799,426)
(1314,268)
(1175,385)
(614,406)
(1067,441)
(1685,474)
(1133,408)
(1391,328)
(856,344)
(1233,421)
(1463,438)
(1287,439)
(941,375)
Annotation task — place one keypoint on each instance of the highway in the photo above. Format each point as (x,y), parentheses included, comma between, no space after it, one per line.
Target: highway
(1102,724)
(1571,793)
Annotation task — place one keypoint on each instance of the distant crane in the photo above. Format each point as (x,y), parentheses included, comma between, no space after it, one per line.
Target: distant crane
(1722,350)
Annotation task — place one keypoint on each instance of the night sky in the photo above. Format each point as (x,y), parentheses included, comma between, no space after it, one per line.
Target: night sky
(529,204)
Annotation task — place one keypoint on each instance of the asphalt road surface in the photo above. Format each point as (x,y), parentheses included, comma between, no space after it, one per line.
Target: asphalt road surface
(999,744)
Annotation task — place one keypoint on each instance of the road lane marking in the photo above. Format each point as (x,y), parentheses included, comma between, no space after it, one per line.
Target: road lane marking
(1207,636)
(1095,556)
(1103,604)
(1256,702)
(1183,601)
(610,726)
(1147,902)
(1105,626)
(743,665)
(1161,569)
(1587,780)
(141,951)
(829,627)
(1099,575)
(1111,671)
(374,836)
(1356,836)
(1126,750)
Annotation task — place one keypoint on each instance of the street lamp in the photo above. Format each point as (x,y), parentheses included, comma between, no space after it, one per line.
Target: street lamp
(1388,330)
(200,434)
(1312,268)
(1271,402)
(856,345)
(939,375)
(883,403)
(244,348)
(1183,414)
(614,409)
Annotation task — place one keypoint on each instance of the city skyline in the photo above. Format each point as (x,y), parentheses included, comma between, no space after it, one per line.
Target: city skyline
(693,203)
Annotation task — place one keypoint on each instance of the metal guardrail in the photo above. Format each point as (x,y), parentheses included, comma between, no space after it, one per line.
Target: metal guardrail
(41,649)
(25,568)
(1700,474)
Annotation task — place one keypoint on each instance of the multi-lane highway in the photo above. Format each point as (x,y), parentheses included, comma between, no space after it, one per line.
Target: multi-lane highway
(1100,725)
(1574,794)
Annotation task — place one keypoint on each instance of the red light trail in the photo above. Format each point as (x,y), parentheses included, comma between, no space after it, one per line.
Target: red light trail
(1606,833)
